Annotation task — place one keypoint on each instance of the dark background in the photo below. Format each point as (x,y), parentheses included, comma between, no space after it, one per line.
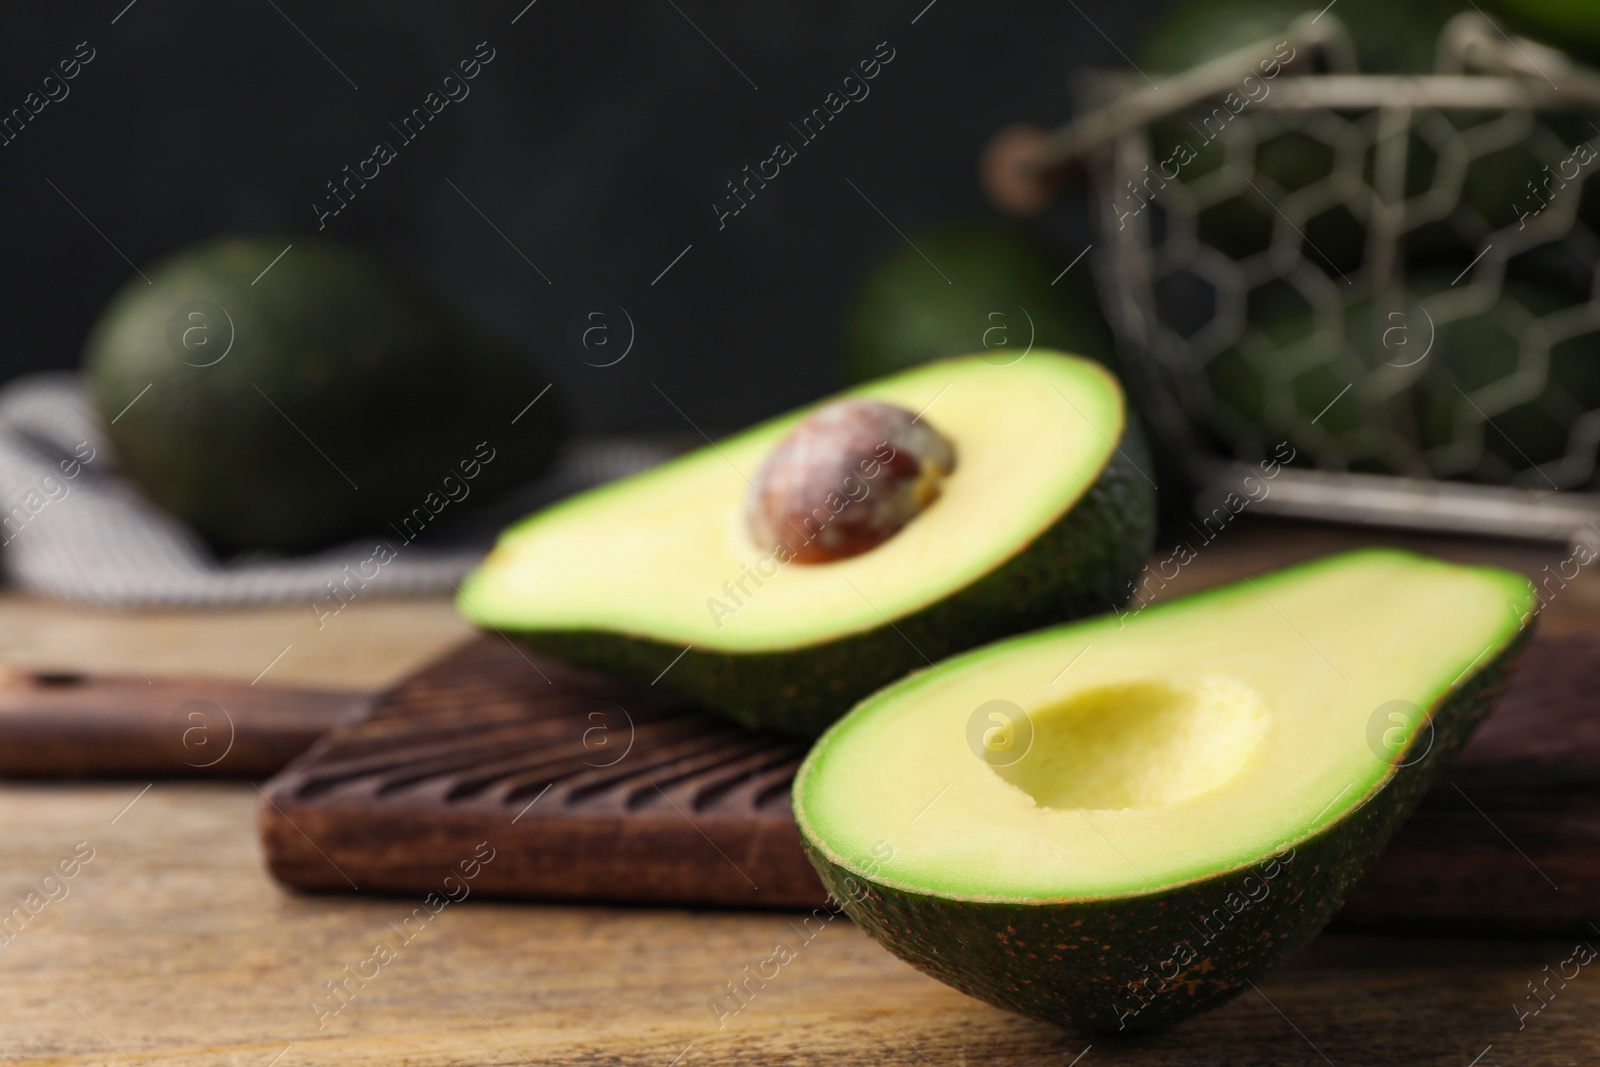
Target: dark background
(597,141)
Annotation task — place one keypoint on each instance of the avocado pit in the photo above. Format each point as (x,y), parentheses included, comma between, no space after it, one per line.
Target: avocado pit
(850,476)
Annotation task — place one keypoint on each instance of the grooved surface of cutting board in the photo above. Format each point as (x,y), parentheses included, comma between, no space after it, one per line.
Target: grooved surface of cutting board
(591,789)
(587,788)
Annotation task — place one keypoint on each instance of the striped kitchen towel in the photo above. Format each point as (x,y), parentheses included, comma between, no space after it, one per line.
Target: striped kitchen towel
(74,526)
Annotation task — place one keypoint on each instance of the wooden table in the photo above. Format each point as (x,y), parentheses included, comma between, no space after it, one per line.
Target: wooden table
(171,946)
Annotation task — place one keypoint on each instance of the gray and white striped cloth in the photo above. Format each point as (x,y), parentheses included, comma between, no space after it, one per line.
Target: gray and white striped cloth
(73,526)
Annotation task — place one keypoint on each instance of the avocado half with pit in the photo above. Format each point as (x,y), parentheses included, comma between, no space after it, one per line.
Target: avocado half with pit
(1119,823)
(1043,515)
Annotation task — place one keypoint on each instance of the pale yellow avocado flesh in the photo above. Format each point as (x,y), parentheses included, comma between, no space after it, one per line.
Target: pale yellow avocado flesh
(1185,740)
(649,555)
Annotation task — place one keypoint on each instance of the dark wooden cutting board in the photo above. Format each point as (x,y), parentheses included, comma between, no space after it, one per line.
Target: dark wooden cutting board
(591,789)
(586,788)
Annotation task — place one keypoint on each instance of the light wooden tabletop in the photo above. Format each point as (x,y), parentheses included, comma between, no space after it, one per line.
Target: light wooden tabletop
(170,945)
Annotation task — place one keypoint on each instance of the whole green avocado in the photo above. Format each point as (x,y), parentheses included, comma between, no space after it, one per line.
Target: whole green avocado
(968,289)
(1390,37)
(1411,375)
(1573,25)
(286,399)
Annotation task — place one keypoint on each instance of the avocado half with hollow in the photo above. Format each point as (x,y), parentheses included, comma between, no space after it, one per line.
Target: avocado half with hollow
(1118,823)
(1045,516)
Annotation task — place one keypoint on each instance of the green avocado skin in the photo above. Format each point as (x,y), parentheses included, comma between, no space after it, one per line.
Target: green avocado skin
(345,398)
(991,291)
(1568,24)
(1084,965)
(1084,564)
(1390,36)
(1467,354)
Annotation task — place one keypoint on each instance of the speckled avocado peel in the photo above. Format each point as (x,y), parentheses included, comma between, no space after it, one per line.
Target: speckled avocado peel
(1151,955)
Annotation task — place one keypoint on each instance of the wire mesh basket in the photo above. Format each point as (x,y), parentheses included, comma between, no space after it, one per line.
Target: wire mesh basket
(1390,278)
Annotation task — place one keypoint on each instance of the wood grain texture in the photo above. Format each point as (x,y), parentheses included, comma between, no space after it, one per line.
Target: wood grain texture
(109,693)
(68,724)
(370,644)
(172,948)
(175,948)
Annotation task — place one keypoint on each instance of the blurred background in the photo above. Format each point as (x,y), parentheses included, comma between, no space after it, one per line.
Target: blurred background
(596,143)
(680,221)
